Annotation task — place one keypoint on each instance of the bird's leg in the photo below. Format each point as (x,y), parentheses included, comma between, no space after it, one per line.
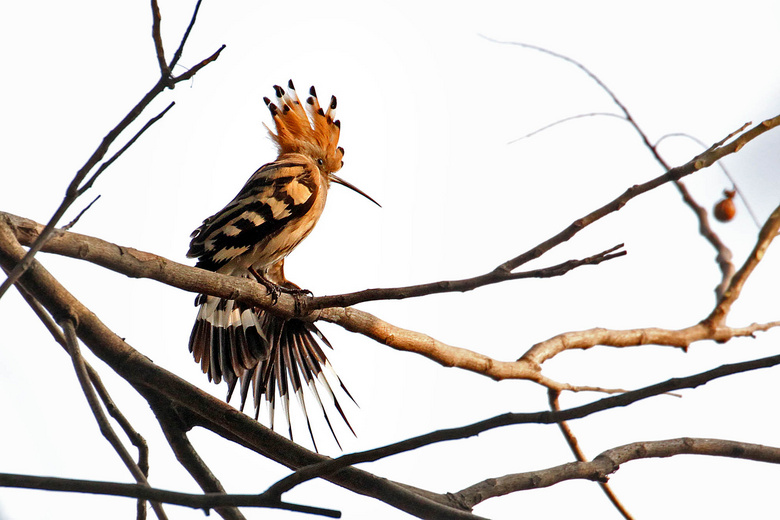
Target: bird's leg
(275,289)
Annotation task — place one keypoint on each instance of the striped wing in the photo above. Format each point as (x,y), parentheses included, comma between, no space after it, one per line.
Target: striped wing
(238,236)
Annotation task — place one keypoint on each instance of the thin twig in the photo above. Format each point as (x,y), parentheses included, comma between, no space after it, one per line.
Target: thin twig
(723,252)
(196,501)
(765,237)
(113,410)
(723,168)
(180,49)
(72,223)
(565,120)
(88,184)
(69,331)
(463,285)
(574,445)
(72,192)
(165,71)
(195,68)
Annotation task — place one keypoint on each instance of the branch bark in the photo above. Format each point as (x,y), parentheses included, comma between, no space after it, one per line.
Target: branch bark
(610,461)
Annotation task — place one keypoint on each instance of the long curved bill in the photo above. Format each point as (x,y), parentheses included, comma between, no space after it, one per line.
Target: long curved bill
(339,180)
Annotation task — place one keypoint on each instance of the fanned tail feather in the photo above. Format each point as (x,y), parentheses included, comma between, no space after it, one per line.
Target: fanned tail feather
(268,357)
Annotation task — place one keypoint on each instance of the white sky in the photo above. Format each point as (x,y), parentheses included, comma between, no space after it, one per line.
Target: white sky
(428,107)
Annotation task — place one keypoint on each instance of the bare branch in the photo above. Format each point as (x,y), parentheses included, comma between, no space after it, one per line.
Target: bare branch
(765,236)
(331,466)
(177,54)
(723,168)
(72,342)
(73,190)
(189,458)
(703,160)
(206,501)
(610,461)
(73,222)
(574,445)
(88,184)
(113,410)
(141,264)
(204,409)
(723,252)
(463,285)
(194,70)
(165,72)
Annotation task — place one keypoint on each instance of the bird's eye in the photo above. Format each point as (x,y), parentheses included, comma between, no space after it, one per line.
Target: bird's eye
(320,162)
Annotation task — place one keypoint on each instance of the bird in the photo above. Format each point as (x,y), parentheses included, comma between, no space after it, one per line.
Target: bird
(249,238)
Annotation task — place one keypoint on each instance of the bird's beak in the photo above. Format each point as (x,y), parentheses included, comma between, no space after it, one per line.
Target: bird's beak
(339,180)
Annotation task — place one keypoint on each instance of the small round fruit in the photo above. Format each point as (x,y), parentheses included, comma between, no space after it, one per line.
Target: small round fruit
(725,209)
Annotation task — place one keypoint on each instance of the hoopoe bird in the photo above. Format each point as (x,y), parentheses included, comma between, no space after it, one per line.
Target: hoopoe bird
(250,237)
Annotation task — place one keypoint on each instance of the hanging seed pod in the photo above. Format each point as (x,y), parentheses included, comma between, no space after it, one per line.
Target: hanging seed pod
(725,209)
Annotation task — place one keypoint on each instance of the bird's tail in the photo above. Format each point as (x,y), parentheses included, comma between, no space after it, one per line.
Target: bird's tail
(270,356)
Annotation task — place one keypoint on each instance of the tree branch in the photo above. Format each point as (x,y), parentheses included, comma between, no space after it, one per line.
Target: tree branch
(705,159)
(463,285)
(73,190)
(134,263)
(610,461)
(574,445)
(113,410)
(768,233)
(328,467)
(72,343)
(188,457)
(723,252)
(205,502)
(204,409)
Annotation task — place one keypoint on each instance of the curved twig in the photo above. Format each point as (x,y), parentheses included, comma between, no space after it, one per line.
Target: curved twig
(723,252)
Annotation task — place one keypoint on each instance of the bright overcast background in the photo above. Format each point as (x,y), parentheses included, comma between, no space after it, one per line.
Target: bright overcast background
(429,107)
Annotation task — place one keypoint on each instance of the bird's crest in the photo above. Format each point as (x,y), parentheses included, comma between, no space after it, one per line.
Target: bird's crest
(315,134)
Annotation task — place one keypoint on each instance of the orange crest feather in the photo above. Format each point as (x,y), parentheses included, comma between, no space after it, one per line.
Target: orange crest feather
(315,134)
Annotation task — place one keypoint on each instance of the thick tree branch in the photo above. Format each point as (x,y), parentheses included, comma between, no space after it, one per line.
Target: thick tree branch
(136,263)
(175,434)
(610,461)
(205,410)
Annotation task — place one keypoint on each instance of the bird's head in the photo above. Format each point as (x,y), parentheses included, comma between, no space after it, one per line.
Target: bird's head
(314,134)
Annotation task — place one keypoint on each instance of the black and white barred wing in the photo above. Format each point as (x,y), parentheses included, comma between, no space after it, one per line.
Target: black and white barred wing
(270,215)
